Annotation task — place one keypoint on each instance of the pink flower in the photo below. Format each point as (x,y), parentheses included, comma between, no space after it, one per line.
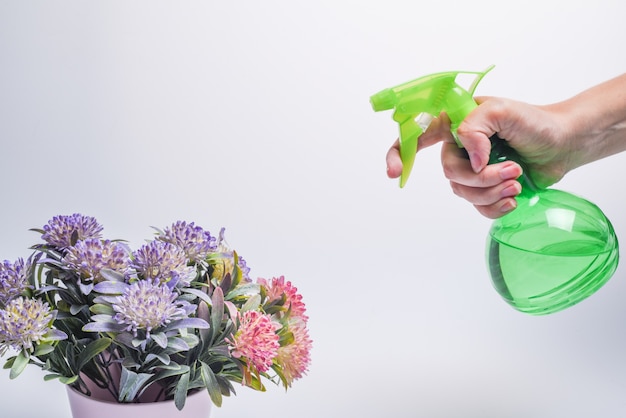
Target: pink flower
(294,358)
(275,290)
(256,340)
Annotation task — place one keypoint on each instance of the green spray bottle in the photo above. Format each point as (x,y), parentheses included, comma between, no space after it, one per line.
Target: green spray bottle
(555,249)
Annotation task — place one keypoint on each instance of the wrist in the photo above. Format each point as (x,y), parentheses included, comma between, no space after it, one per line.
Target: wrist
(594,122)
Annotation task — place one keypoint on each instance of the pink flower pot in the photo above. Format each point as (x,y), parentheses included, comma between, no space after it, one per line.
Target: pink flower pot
(198,405)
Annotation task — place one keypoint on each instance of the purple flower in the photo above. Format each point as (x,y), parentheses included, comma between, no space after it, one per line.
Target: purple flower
(147,305)
(245,270)
(90,256)
(13,280)
(192,239)
(25,322)
(64,231)
(164,262)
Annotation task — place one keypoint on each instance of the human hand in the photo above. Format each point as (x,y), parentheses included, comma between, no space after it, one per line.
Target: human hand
(534,132)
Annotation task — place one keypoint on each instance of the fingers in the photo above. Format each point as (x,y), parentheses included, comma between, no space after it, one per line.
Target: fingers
(476,129)
(394,162)
(489,195)
(491,188)
(477,146)
(498,209)
(457,168)
(492,191)
(491,202)
(438,131)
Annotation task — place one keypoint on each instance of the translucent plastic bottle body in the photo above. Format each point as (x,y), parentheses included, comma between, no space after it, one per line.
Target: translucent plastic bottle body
(553,251)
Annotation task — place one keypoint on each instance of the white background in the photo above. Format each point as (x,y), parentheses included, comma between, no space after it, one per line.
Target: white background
(255,116)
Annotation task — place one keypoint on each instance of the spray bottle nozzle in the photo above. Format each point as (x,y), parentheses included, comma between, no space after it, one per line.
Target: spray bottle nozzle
(384,100)
(421,100)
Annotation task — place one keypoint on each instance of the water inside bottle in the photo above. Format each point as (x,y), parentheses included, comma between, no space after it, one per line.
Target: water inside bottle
(553,253)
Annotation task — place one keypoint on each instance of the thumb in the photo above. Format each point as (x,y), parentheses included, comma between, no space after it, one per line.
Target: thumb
(478,147)
(475,140)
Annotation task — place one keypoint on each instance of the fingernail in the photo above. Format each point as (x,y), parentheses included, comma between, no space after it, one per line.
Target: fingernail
(510,171)
(512,190)
(508,206)
(476,162)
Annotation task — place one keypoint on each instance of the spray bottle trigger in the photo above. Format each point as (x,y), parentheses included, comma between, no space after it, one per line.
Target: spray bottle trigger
(410,131)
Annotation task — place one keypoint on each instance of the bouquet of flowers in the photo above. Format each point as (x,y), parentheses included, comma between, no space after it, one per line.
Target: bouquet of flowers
(178,314)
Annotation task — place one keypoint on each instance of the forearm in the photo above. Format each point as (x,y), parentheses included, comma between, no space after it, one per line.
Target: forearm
(595,122)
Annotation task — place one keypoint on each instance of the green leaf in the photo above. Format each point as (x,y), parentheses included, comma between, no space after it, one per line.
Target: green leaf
(192,340)
(102,309)
(252,304)
(181,369)
(255,383)
(9,363)
(279,372)
(75,309)
(237,273)
(131,383)
(43,349)
(217,312)
(286,339)
(246,289)
(225,385)
(111,288)
(180,394)
(210,381)
(102,325)
(53,335)
(163,358)
(171,366)
(93,349)
(199,293)
(68,380)
(203,313)
(112,275)
(176,344)
(226,282)
(160,338)
(129,363)
(63,306)
(86,288)
(19,364)
(184,323)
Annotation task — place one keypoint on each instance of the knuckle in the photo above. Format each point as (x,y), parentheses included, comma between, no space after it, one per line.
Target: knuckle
(457,189)
(449,171)
(487,211)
